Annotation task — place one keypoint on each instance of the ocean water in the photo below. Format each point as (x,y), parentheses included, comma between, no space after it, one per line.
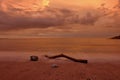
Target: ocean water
(61,45)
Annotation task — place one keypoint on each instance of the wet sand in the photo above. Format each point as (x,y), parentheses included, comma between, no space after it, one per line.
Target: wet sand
(19,67)
(65,71)
(103,57)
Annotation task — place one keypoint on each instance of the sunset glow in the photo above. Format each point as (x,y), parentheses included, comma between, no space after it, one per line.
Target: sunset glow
(45,3)
(50,17)
(32,5)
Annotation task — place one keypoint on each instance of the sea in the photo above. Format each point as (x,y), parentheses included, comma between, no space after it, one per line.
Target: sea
(86,45)
(93,49)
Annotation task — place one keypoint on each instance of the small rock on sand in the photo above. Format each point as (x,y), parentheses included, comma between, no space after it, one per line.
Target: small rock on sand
(54,66)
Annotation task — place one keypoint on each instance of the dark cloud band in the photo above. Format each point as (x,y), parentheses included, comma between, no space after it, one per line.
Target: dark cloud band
(17,18)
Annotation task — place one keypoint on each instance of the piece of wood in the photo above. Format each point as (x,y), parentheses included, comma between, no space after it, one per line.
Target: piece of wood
(33,58)
(116,37)
(70,58)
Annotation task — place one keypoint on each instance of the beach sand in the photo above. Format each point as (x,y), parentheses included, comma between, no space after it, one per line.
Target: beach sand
(19,67)
(103,57)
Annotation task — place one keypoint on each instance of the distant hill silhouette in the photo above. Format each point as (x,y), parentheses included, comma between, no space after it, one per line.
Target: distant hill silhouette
(116,37)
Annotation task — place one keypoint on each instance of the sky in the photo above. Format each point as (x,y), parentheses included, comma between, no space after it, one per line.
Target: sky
(59,18)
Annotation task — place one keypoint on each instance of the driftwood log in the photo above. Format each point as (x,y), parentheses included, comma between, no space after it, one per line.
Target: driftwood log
(33,58)
(70,58)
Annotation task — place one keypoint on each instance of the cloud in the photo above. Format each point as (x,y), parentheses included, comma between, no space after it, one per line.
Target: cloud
(112,17)
(16,16)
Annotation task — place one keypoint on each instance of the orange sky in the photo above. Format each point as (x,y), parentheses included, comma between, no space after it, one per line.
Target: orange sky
(59,17)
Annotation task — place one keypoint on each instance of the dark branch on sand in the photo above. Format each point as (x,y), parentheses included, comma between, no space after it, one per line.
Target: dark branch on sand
(70,58)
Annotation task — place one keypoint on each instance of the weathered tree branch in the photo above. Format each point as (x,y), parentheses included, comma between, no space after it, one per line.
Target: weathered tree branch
(70,58)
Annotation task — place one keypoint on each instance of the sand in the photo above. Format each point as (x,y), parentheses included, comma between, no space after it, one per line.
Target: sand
(18,67)
(103,57)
